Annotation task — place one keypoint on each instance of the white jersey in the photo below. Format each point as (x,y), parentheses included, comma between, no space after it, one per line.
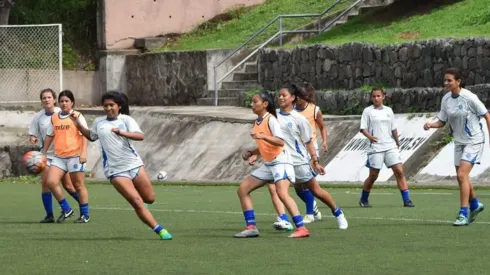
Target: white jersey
(118,153)
(463,115)
(297,131)
(39,128)
(380,123)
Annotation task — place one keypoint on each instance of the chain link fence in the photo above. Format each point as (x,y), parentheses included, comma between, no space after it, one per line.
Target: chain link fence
(30,60)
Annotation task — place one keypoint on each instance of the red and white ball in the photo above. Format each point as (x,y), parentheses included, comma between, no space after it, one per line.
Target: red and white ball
(34,161)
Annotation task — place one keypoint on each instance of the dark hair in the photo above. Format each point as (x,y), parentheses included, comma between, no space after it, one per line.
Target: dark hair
(296,90)
(310,93)
(377,89)
(269,98)
(68,94)
(47,90)
(457,75)
(120,99)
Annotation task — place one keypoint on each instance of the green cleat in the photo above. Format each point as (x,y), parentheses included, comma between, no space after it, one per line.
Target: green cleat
(475,212)
(147,206)
(461,221)
(164,235)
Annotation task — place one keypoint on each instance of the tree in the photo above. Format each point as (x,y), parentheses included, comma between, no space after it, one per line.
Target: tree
(5,6)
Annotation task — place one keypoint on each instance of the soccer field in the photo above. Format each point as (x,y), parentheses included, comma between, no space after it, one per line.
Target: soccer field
(386,239)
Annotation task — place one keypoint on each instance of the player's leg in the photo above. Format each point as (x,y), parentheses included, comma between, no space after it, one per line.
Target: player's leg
(393,160)
(143,185)
(257,179)
(283,177)
(56,172)
(68,186)
(46,196)
(470,156)
(307,197)
(77,176)
(374,163)
(282,221)
(127,188)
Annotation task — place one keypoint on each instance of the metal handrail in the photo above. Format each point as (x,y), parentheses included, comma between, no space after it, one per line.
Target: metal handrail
(347,10)
(279,33)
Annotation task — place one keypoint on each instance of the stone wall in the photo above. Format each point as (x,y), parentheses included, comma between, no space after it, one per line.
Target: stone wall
(419,64)
(408,100)
(172,78)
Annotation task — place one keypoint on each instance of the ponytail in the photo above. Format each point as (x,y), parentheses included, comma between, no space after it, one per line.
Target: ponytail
(310,93)
(271,106)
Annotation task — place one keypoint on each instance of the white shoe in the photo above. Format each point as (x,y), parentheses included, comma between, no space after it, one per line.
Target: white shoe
(282,225)
(308,219)
(342,221)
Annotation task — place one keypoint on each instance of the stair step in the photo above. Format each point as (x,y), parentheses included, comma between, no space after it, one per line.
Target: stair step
(251,68)
(245,76)
(227,93)
(222,101)
(243,84)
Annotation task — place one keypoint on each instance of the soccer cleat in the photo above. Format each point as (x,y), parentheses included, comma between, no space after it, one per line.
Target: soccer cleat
(308,219)
(408,203)
(300,232)
(249,232)
(342,221)
(65,215)
(282,225)
(475,212)
(165,235)
(461,220)
(48,219)
(364,204)
(83,219)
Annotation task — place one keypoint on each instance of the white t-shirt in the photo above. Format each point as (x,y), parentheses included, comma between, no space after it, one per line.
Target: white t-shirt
(39,128)
(296,129)
(118,153)
(380,123)
(463,115)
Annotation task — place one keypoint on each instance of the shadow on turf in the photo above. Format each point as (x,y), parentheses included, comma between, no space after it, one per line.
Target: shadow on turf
(20,222)
(119,238)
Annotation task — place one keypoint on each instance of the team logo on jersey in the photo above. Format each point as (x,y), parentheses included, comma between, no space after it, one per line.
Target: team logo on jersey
(121,126)
(460,107)
(75,166)
(290,125)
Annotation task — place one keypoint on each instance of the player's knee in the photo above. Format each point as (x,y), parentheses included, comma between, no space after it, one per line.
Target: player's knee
(150,199)
(373,177)
(137,203)
(461,176)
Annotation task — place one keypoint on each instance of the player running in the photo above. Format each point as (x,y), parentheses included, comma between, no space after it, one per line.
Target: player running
(122,165)
(462,109)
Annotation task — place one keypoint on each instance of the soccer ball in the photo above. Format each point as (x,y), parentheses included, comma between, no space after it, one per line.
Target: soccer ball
(34,161)
(162,176)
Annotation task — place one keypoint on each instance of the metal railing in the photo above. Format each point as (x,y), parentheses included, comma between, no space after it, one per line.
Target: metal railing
(279,33)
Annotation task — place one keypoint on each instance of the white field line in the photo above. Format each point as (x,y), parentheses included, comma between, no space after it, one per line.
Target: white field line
(190,211)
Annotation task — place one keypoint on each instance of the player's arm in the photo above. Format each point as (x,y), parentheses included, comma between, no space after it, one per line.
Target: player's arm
(34,130)
(395,136)
(442,118)
(134,132)
(365,132)
(277,138)
(81,128)
(487,119)
(323,130)
(49,137)
(365,121)
(394,131)
(436,124)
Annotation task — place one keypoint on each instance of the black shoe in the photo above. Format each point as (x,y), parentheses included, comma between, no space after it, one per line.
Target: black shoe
(408,203)
(83,219)
(364,203)
(65,215)
(48,219)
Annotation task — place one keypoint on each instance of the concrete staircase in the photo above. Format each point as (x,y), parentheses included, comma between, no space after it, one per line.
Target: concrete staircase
(246,77)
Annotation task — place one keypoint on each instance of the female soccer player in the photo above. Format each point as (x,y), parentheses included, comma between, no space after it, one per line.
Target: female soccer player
(378,125)
(305,106)
(70,156)
(122,165)
(463,109)
(37,132)
(277,167)
(298,139)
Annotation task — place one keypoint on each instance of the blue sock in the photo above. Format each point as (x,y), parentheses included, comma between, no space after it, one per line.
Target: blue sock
(364,195)
(158,228)
(405,195)
(249,217)
(464,211)
(298,221)
(474,204)
(47,203)
(308,198)
(75,196)
(284,217)
(65,206)
(84,209)
(337,212)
